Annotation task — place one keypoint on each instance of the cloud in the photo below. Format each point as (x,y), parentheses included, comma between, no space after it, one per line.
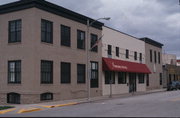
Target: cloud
(156,19)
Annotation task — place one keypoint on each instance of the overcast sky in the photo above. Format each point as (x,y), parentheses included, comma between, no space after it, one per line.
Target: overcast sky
(156,19)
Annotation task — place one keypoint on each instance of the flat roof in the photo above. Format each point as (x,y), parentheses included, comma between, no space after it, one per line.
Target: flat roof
(49,7)
(152,42)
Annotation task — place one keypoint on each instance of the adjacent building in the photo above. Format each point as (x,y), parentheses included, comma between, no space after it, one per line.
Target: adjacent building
(124,69)
(153,51)
(43,53)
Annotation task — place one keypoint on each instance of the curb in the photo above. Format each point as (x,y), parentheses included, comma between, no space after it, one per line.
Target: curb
(60,105)
(5,111)
(29,110)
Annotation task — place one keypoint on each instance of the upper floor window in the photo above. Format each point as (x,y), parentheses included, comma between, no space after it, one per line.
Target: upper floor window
(65,73)
(135,55)
(159,57)
(46,31)
(65,36)
(81,73)
(127,54)
(15,31)
(151,58)
(117,51)
(94,39)
(109,49)
(140,57)
(155,57)
(81,39)
(14,72)
(46,72)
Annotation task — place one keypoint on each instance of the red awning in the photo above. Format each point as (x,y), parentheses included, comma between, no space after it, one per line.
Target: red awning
(124,66)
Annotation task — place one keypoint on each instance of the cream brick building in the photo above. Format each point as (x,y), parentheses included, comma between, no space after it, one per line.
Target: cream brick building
(43,53)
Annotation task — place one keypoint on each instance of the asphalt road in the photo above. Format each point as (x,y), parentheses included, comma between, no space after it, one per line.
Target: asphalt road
(164,104)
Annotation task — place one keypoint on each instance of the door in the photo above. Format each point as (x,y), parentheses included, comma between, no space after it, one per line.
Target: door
(132,82)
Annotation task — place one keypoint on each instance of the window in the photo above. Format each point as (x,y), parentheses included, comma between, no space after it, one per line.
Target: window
(80,39)
(46,31)
(81,73)
(147,83)
(155,57)
(141,78)
(46,72)
(13,98)
(46,96)
(94,75)
(127,54)
(117,51)
(174,77)
(109,77)
(159,57)
(151,58)
(160,75)
(65,73)
(135,55)
(94,39)
(140,57)
(122,78)
(109,50)
(65,36)
(170,79)
(15,31)
(14,72)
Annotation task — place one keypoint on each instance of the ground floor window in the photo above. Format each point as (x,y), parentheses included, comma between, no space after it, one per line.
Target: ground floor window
(122,77)
(160,76)
(46,96)
(94,75)
(141,78)
(147,82)
(109,77)
(13,98)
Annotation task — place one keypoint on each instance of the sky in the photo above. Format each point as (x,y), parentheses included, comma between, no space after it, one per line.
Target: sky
(155,19)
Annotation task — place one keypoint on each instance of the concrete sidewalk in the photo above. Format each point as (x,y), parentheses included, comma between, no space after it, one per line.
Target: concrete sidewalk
(43,106)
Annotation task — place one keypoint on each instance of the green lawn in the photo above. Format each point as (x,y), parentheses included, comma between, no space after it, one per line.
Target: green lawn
(5,107)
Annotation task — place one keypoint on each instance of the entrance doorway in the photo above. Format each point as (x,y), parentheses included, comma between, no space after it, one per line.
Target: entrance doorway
(132,82)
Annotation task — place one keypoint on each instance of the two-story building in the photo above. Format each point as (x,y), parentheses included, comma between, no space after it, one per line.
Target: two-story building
(43,53)
(124,69)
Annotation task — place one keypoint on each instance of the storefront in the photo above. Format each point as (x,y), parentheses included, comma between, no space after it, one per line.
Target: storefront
(123,77)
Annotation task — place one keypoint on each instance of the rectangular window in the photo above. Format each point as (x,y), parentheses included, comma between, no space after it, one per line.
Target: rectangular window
(109,50)
(127,54)
(65,73)
(65,36)
(170,79)
(94,75)
(140,57)
(81,39)
(15,31)
(81,73)
(141,78)
(94,39)
(109,77)
(122,77)
(135,55)
(14,72)
(151,58)
(160,75)
(147,83)
(46,72)
(117,51)
(155,57)
(159,57)
(46,31)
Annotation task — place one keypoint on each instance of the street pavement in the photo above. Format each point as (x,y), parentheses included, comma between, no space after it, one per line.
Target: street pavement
(163,104)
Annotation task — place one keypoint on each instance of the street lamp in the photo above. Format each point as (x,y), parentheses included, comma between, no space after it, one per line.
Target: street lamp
(89,24)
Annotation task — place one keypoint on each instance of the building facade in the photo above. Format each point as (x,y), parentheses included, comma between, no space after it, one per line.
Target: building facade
(43,53)
(153,60)
(124,69)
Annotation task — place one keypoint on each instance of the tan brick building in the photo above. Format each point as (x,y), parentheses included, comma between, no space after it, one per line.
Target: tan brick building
(43,53)
(153,50)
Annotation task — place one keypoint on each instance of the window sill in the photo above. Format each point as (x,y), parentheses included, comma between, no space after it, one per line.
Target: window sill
(15,43)
(14,84)
(49,44)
